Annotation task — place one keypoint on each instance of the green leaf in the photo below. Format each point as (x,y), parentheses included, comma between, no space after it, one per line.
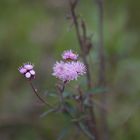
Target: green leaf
(63,133)
(79,119)
(70,107)
(47,112)
(84,129)
(52,95)
(97,90)
(67,95)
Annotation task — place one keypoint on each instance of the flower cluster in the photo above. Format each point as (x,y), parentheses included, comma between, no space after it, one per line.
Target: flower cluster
(69,55)
(69,70)
(27,70)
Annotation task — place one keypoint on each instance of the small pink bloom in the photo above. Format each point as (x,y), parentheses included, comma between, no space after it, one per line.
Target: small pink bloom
(28,75)
(27,71)
(28,66)
(58,68)
(22,70)
(70,73)
(79,67)
(69,55)
(32,72)
(64,71)
(67,71)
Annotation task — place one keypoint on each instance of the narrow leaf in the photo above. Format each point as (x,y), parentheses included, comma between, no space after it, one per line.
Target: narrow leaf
(47,112)
(63,133)
(84,129)
(97,90)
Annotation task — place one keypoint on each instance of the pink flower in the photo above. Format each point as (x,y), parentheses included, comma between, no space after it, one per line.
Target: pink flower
(70,72)
(27,71)
(64,71)
(69,55)
(32,72)
(67,71)
(58,68)
(79,67)
(22,70)
(28,75)
(28,66)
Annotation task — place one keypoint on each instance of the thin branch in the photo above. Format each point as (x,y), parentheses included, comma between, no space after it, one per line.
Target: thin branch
(39,97)
(101,52)
(80,40)
(84,30)
(101,74)
(61,89)
(77,124)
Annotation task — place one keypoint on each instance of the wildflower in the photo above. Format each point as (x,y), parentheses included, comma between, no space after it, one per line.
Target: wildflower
(58,68)
(28,75)
(64,71)
(27,71)
(22,70)
(28,66)
(79,67)
(69,55)
(32,72)
(67,71)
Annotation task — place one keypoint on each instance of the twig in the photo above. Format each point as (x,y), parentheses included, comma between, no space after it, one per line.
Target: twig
(101,74)
(39,97)
(60,91)
(77,124)
(82,39)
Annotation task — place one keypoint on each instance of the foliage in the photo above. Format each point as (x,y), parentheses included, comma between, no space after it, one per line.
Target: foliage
(37,31)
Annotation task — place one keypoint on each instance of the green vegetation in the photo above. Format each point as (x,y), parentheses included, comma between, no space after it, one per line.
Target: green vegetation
(38,31)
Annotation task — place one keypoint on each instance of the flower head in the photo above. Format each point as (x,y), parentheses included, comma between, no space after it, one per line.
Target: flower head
(67,71)
(69,55)
(64,71)
(28,75)
(32,72)
(22,70)
(79,67)
(28,66)
(27,71)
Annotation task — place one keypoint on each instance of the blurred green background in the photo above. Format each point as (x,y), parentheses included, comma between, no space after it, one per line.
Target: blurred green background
(37,31)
